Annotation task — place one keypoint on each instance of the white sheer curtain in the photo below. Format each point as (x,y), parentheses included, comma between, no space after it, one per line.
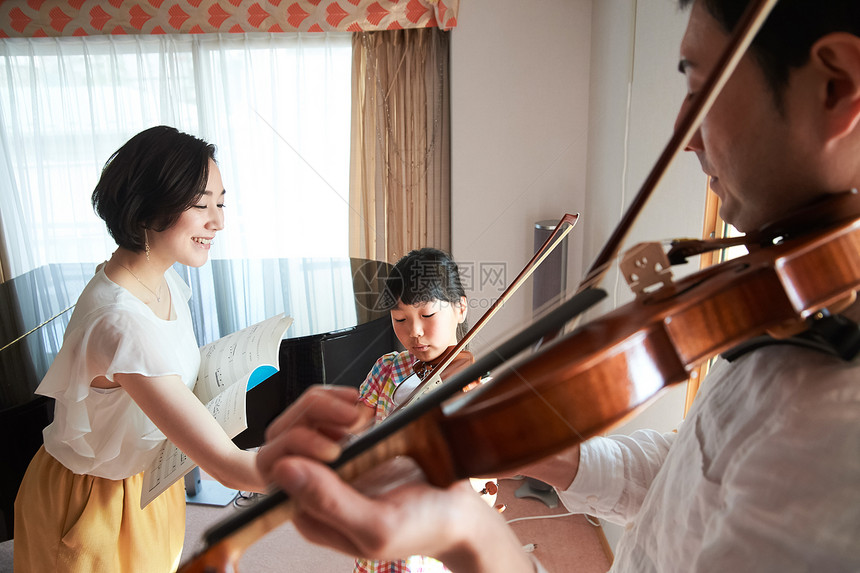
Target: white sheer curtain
(277,106)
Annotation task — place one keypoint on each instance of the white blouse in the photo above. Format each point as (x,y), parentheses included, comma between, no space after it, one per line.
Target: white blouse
(102,432)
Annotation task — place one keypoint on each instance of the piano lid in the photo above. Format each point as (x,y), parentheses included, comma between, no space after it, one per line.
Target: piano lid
(35,309)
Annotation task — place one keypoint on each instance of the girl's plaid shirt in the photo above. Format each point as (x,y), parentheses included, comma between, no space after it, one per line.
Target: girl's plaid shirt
(378,388)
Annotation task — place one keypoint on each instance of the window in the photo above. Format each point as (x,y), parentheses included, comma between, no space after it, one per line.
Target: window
(277,106)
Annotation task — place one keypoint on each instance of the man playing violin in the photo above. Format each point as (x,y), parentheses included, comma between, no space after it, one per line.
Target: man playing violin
(764,474)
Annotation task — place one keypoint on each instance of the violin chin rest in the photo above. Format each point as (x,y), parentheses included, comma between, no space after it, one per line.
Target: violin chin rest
(795,327)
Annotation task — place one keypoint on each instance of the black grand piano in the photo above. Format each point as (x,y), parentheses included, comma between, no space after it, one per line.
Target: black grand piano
(339,329)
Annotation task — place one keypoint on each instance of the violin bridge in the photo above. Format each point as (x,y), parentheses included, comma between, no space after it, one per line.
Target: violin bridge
(646,268)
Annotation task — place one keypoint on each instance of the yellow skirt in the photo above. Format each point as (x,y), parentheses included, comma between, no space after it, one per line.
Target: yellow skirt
(66,522)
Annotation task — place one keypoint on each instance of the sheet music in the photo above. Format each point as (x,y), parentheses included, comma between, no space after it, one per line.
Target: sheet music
(236,356)
(229,358)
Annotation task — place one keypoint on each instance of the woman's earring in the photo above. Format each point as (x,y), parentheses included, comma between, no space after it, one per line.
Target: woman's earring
(146,244)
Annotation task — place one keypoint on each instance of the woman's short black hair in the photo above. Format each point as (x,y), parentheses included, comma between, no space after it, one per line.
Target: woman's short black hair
(149,181)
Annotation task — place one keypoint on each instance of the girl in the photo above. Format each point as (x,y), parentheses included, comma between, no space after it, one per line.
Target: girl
(123,377)
(429,311)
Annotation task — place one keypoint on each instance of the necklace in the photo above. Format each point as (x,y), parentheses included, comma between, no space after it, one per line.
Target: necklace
(155,294)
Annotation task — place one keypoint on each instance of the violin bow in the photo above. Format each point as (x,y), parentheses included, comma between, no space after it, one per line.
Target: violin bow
(564,226)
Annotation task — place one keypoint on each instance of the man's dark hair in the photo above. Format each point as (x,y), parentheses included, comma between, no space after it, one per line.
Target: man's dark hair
(149,181)
(785,40)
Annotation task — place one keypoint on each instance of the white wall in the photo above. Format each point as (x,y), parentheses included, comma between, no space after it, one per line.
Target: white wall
(519,106)
(564,106)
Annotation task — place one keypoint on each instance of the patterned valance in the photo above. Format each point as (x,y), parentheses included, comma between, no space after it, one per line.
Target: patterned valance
(34,18)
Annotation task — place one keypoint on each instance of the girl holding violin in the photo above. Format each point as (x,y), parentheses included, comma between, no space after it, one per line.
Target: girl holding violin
(763,473)
(428,312)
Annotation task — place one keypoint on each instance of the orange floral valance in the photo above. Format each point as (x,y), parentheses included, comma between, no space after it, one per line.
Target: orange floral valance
(34,18)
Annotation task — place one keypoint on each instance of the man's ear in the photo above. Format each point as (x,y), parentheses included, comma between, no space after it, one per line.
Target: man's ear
(837,57)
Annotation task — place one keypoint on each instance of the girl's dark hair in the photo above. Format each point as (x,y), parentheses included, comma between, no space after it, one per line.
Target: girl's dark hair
(149,181)
(425,275)
(785,40)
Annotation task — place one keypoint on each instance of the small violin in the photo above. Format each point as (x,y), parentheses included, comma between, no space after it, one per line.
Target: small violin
(424,375)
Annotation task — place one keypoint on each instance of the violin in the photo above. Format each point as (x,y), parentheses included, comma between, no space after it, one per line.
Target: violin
(424,376)
(584,383)
(604,371)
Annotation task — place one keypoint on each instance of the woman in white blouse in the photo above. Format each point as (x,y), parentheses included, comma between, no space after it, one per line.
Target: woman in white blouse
(122,381)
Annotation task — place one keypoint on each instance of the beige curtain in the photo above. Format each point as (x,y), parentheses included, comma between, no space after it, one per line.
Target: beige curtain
(400,197)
